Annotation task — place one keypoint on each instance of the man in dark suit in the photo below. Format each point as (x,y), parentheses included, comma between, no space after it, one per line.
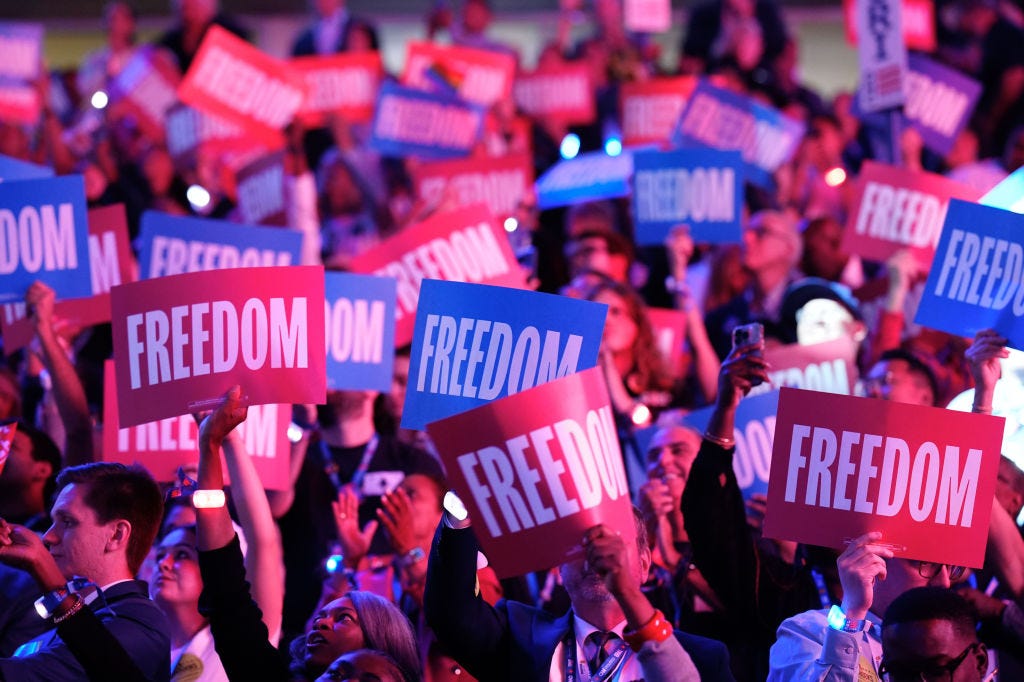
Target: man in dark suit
(516,642)
(330,33)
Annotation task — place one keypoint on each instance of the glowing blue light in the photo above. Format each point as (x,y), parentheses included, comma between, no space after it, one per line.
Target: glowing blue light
(613,146)
(570,146)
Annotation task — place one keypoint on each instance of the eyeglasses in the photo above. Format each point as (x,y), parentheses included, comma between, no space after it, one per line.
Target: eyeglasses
(901,672)
(930,569)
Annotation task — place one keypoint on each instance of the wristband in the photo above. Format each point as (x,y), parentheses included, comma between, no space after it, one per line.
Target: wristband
(837,620)
(657,629)
(724,443)
(75,607)
(48,603)
(208,499)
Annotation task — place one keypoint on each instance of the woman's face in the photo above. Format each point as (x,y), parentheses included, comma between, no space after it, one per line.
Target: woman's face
(620,329)
(336,631)
(176,579)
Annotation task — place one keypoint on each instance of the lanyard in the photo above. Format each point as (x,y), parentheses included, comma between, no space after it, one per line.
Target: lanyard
(331,467)
(581,673)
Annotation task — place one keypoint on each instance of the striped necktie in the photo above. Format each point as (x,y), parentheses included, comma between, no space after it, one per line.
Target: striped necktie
(598,647)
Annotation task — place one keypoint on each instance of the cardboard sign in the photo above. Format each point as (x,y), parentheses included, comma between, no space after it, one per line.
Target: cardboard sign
(7,432)
(940,101)
(19,102)
(977,278)
(883,56)
(478,76)
(16,169)
(1008,194)
(190,131)
(260,188)
(537,469)
(588,177)
(172,245)
(21,44)
(669,327)
(896,208)
(918,24)
(343,85)
(44,236)
(500,182)
(702,188)
(360,325)
(754,431)
(922,476)
(110,263)
(830,367)
(147,87)
(409,122)
(164,445)
(466,245)
(181,341)
(232,79)
(720,119)
(474,344)
(563,94)
(647,16)
(650,109)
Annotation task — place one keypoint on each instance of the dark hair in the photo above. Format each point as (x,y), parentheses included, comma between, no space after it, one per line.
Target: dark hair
(43,450)
(119,491)
(932,603)
(916,366)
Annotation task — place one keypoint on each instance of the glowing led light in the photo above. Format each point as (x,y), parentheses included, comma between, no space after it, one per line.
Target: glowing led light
(570,146)
(99,100)
(835,177)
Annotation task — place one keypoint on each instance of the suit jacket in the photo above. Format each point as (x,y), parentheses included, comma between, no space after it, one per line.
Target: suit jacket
(512,641)
(305,44)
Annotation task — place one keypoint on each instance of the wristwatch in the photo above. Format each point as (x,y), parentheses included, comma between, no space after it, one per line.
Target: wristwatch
(48,603)
(837,620)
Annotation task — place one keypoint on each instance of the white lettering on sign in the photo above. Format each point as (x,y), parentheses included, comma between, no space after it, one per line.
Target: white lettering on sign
(470,254)
(651,116)
(215,343)
(685,194)
(828,376)
(246,89)
(480,83)
(21,56)
(415,121)
(509,362)
(261,195)
(38,238)
(981,271)
(333,88)
(355,330)
(540,95)
(173,256)
(723,126)
(508,492)
(900,215)
(104,264)
(835,471)
(187,128)
(753,458)
(177,434)
(500,190)
(934,104)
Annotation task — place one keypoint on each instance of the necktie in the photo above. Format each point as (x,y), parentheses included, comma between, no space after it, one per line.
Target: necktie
(598,647)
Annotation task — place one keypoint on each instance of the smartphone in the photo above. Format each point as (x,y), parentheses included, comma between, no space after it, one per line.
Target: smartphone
(376,483)
(747,334)
(454,506)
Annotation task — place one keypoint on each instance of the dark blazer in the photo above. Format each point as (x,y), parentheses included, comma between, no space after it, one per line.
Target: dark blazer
(305,44)
(512,641)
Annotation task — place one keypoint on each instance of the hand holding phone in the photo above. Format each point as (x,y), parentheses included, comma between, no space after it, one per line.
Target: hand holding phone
(746,335)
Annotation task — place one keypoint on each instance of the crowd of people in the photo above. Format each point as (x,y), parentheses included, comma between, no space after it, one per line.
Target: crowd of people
(106,574)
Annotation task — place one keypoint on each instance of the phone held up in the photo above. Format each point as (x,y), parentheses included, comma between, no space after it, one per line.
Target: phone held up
(747,334)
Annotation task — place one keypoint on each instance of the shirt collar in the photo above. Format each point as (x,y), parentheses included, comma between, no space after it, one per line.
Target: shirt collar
(584,629)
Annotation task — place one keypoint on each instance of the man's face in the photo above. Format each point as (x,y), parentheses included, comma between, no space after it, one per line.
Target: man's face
(19,469)
(935,646)
(766,244)
(893,380)
(670,456)
(584,585)
(905,574)
(76,539)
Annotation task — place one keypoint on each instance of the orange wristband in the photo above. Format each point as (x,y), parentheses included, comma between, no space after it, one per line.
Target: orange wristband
(657,629)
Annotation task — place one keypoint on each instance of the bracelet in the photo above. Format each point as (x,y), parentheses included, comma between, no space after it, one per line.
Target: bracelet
(413,556)
(75,607)
(725,443)
(657,629)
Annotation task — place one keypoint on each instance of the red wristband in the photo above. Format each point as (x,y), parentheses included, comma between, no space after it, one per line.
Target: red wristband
(657,629)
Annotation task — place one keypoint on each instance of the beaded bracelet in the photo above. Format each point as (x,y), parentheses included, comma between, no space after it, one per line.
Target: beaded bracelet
(75,607)
(657,629)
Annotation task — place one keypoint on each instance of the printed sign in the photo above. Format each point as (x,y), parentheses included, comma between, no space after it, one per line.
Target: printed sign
(923,476)
(415,123)
(478,76)
(232,79)
(500,182)
(537,469)
(474,344)
(754,431)
(650,109)
(883,56)
(110,263)
(172,245)
(976,278)
(360,324)
(563,94)
(940,101)
(647,16)
(190,131)
(260,187)
(165,445)
(702,188)
(669,327)
(466,245)
(147,87)
(342,85)
(588,177)
(44,236)
(19,102)
(16,169)
(720,119)
(21,44)
(896,208)
(830,367)
(918,24)
(181,341)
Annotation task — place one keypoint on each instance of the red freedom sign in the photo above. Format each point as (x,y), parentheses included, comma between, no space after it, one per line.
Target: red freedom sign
(923,476)
(830,367)
(181,341)
(650,109)
(538,468)
(6,438)
(110,263)
(478,76)
(232,79)
(466,245)
(19,102)
(163,446)
(499,182)
(146,88)
(341,84)
(895,208)
(563,94)
(669,327)
(918,17)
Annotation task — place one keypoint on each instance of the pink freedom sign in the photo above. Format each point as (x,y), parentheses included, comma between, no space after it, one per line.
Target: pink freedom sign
(181,341)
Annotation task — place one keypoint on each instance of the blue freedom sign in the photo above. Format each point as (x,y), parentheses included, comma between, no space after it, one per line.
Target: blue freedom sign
(172,245)
(16,169)
(475,343)
(977,277)
(721,119)
(587,177)
(409,122)
(360,325)
(44,235)
(701,188)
